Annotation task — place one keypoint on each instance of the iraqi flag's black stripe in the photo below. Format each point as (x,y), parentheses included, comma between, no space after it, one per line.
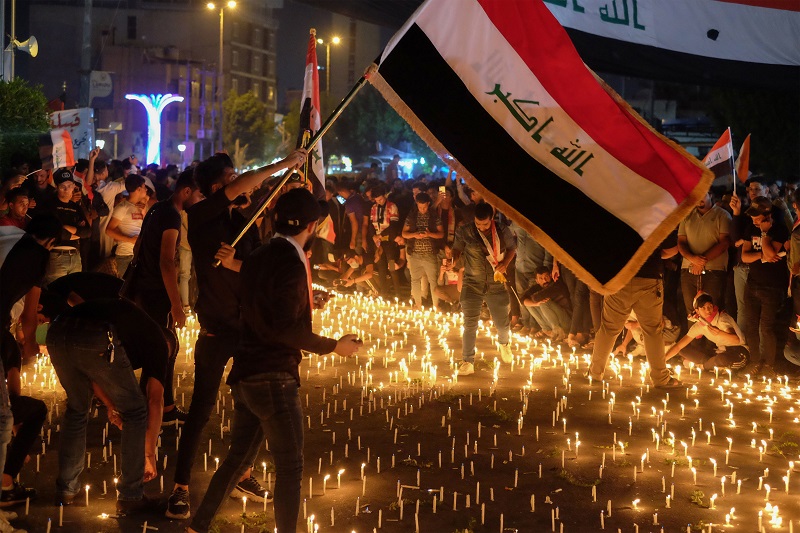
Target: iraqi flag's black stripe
(604,54)
(595,238)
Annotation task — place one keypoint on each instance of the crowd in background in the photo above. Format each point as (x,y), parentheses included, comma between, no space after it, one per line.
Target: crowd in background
(730,270)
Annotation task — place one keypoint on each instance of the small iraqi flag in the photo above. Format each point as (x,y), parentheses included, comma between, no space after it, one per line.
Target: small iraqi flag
(310,119)
(743,161)
(506,95)
(720,159)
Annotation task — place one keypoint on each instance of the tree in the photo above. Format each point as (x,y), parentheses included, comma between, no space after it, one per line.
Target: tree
(23,118)
(772,118)
(248,121)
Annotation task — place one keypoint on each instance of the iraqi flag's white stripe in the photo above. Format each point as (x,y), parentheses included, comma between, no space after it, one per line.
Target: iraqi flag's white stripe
(720,155)
(482,57)
(708,28)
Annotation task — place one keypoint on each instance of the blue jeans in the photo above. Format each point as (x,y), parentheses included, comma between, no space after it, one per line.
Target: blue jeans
(523,281)
(77,349)
(497,301)
(62,263)
(550,316)
(423,266)
(266,405)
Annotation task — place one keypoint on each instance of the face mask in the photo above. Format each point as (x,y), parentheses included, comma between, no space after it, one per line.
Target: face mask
(352,263)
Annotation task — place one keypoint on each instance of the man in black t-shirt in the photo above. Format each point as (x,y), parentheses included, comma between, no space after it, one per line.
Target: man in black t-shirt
(644,294)
(65,257)
(95,347)
(765,242)
(153,280)
(213,223)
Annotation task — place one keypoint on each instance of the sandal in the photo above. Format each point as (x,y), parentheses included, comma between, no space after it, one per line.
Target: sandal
(671,383)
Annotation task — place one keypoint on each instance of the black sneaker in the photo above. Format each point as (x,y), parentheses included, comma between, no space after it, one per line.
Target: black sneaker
(62,498)
(173,417)
(17,494)
(252,489)
(178,504)
(144,506)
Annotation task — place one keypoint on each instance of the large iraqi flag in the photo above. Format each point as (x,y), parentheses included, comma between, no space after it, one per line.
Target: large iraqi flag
(497,86)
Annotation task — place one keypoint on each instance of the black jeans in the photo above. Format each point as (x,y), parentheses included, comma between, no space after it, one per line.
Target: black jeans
(760,327)
(265,405)
(156,305)
(31,413)
(210,357)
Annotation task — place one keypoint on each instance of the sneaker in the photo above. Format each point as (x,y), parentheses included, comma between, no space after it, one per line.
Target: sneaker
(251,489)
(16,494)
(8,515)
(595,381)
(505,353)
(176,416)
(178,504)
(466,368)
(62,498)
(767,371)
(671,383)
(144,506)
(5,527)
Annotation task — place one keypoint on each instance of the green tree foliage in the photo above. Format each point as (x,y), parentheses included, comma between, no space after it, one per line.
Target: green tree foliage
(247,120)
(772,118)
(23,118)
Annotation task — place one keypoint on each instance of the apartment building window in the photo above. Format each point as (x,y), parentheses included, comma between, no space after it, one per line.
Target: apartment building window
(270,93)
(235,30)
(257,89)
(256,64)
(235,58)
(132,28)
(257,42)
(235,85)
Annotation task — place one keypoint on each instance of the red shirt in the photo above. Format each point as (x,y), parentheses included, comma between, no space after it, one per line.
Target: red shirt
(8,220)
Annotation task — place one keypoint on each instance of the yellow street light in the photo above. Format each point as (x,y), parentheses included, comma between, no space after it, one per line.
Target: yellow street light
(334,40)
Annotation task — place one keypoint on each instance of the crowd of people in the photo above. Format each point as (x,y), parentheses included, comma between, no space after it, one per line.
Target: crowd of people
(112,258)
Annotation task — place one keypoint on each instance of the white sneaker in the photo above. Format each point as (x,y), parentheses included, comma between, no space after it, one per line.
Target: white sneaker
(466,368)
(505,353)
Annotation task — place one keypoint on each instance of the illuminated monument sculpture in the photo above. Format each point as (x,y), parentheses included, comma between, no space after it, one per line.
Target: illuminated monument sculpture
(155,105)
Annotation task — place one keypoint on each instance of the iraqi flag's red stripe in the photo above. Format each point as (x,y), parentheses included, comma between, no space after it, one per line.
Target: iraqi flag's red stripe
(785,5)
(543,44)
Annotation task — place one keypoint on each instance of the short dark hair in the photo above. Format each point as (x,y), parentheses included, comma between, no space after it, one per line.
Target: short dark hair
(421,185)
(133,182)
(542,270)
(422,198)
(483,211)
(378,189)
(347,185)
(186,179)
(44,226)
(211,171)
(82,165)
(99,166)
(16,192)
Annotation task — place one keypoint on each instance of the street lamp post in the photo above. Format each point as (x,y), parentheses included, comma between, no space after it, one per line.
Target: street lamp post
(211,5)
(334,40)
